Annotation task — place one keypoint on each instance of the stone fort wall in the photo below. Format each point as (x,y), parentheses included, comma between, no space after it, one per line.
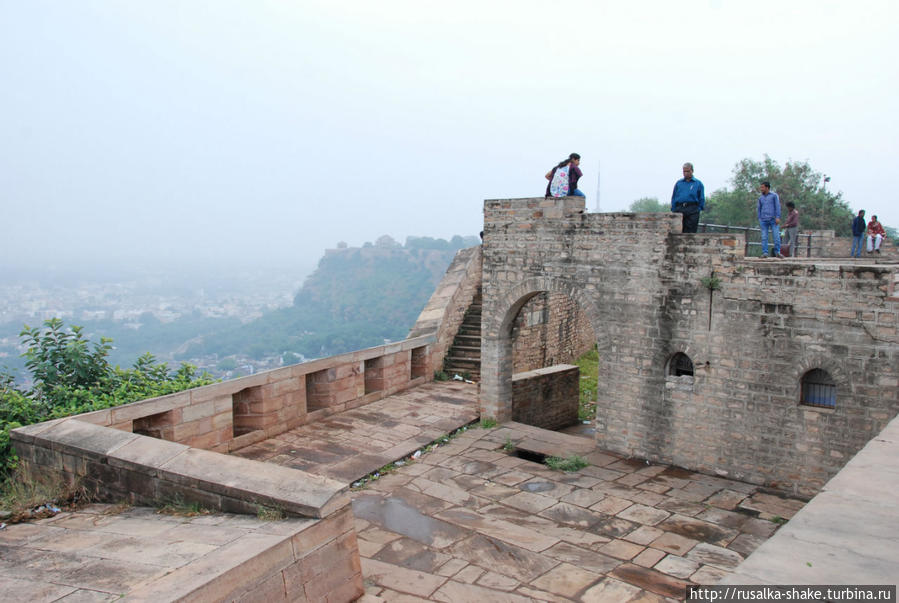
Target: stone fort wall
(639,283)
(550,329)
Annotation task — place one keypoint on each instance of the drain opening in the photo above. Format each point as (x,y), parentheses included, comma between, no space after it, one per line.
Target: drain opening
(529,455)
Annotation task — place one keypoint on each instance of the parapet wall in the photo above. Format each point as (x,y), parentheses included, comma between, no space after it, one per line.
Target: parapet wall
(168,449)
(227,416)
(751,339)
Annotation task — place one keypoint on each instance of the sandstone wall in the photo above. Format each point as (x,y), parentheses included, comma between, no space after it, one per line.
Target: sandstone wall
(228,416)
(546,397)
(549,330)
(639,282)
(443,314)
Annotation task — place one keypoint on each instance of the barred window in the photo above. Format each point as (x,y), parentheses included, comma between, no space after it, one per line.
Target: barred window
(680,365)
(818,389)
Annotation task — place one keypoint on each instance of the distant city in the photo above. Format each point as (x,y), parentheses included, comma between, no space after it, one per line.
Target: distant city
(126,309)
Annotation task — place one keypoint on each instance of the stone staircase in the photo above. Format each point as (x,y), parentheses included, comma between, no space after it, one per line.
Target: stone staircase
(464,356)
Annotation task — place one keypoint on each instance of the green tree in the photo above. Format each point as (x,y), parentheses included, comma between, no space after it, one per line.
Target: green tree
(796,181)
(71,375)
(649,205)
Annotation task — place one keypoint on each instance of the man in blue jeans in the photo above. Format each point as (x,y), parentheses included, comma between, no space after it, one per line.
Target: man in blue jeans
(858,234)
(769,217)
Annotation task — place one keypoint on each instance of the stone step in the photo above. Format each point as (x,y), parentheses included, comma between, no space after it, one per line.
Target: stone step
(458,351)
(466,364)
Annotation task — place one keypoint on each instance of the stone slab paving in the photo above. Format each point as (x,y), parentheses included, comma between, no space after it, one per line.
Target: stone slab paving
(104,552)
(470,522)
(354,443)
(847,534)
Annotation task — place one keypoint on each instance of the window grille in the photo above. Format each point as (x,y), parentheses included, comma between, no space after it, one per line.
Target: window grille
(818,389)
(680,365)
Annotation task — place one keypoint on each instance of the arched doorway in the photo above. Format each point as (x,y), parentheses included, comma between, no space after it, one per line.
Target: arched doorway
(539,322)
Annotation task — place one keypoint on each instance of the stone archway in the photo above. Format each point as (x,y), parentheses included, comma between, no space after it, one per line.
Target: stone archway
(496,346)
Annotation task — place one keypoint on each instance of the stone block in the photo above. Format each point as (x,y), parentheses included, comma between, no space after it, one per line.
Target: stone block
(293,490)
(84,439)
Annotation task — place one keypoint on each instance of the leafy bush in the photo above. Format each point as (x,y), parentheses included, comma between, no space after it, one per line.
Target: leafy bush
(70,375)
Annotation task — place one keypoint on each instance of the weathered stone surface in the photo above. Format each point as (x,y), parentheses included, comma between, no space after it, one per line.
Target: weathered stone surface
(698,530)
(502,557)
(651,580)
(717,556)
(566,580)
(678,567)
(583,558)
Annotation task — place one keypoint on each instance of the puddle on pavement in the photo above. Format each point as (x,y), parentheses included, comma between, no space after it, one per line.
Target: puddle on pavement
(537,486)
(396,515)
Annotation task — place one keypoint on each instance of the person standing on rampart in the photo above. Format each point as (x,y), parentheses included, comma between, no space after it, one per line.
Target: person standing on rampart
(875,235)
(563,178)
(858,233)
(791,226)
(768,210)
(688,199)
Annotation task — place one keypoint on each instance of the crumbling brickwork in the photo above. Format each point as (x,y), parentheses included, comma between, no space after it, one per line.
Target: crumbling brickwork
(751,338)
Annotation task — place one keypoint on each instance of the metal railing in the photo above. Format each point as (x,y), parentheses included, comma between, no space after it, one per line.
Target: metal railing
(753,238)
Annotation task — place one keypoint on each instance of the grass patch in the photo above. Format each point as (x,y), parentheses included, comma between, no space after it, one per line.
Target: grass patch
(589,365)
(270,513)
(509,446)
(488,423)
(179,507)
(394,466)
(568,464)
(26,498)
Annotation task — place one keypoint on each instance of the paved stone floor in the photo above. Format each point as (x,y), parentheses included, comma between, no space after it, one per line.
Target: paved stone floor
(105,552)
(470,522)
(354,443)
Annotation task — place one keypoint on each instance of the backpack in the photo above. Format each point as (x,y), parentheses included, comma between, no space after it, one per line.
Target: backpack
(558,187)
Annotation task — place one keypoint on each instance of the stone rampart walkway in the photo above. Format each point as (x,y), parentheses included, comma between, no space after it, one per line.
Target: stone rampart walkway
(471,522)
(354,443)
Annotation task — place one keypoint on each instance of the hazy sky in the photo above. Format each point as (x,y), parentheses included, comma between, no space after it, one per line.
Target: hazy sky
(226,129)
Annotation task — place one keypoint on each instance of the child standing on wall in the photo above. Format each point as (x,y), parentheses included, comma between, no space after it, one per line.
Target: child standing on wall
(563,178)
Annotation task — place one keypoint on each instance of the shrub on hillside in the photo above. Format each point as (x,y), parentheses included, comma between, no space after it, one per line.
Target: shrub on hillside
(70,375)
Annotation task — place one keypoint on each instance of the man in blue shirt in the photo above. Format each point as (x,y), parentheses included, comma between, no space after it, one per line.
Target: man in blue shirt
(769,217)
(688,199)
(858,234)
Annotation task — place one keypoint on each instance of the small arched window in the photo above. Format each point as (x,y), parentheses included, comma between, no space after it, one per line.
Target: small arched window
(819,389)
(680,365)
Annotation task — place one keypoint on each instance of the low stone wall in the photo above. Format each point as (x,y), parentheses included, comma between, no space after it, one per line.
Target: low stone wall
(227,416)
(117,466)
(318,561)
(825,244)
(167,449)
(546,397)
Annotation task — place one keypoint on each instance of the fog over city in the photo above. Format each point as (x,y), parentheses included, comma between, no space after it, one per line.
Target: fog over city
(207,133)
